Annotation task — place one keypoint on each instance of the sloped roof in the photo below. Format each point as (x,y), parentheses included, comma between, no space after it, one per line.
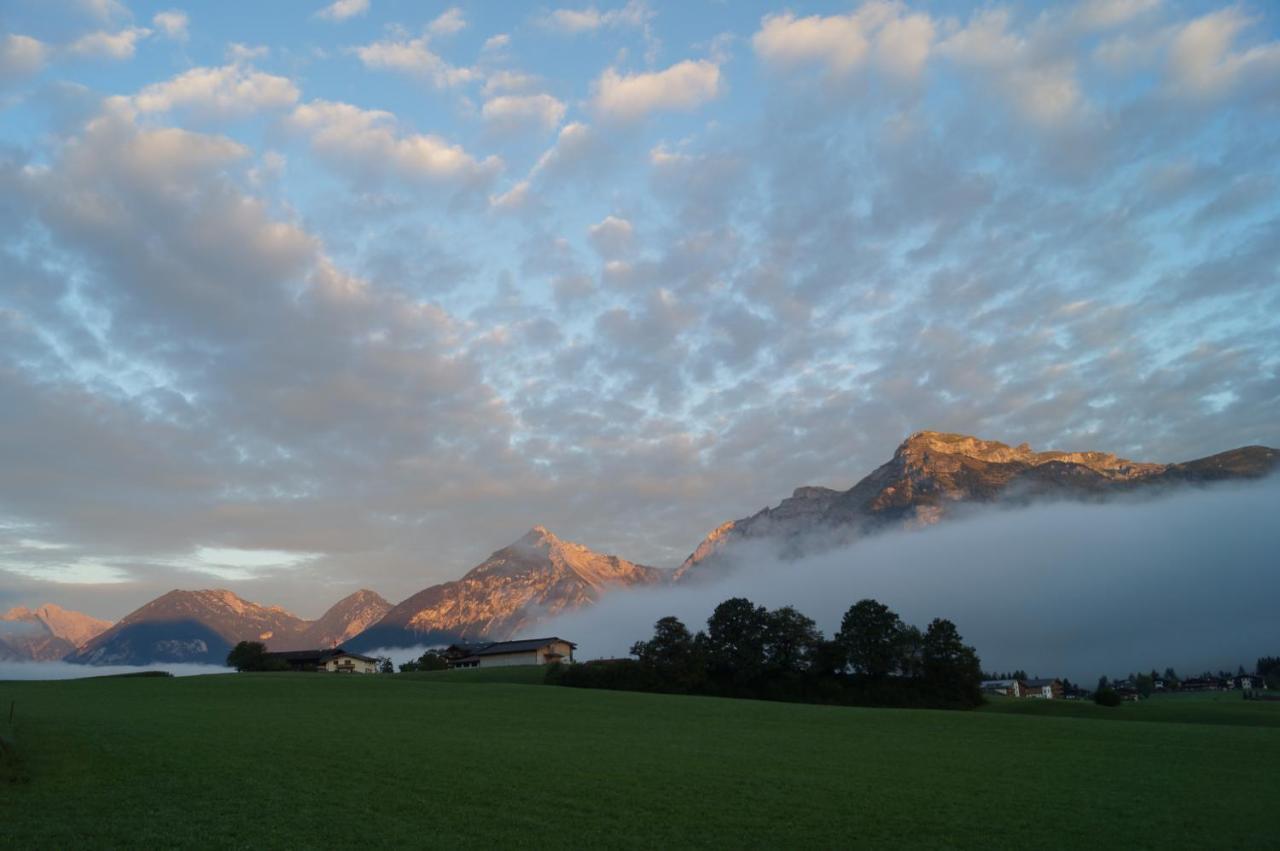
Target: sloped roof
(522,646)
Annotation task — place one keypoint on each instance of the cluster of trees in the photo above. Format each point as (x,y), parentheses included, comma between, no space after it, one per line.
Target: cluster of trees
(1268,668)
(750,651)
(252,656)
(429,661)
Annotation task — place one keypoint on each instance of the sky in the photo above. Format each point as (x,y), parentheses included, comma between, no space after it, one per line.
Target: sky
(302,298)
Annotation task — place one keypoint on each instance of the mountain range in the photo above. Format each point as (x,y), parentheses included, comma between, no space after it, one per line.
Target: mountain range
(45,634)
(930,477)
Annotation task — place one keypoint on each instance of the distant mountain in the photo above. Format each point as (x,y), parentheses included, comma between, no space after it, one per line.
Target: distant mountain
(537,577)
(932,473)
(47,633)
(346,619)
(190,626)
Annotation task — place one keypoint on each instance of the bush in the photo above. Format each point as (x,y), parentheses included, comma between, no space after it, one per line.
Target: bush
(1106,697)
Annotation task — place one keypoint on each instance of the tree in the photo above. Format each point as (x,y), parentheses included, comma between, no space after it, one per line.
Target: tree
(791,640)
(248,656)
(736,639)
(1106,696)
(1103,682)
(385,665)
(673,655)
(1144,684)
(1171,678)
(871,634)
(432,661)
(947,661)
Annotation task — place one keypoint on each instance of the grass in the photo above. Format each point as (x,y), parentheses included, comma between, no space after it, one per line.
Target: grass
(1220,707)
(314,761)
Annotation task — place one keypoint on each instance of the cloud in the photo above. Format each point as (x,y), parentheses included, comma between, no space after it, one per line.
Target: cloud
(109,45)
(172,24)
(1025,587)
(365,142)
(231,91)
(416,58)
(1202,62)
(612,237)
(342,10)
(516,112)
(634,14)
(683,87)
(449,22)
(899,44)
(21,56)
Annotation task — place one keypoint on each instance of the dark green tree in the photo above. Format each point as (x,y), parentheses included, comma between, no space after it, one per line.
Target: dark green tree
(248,656)
(947,659)
(385,666)
(791,640)
(1145,684)
(674,656)
(871,635)
(432,661)
(736,636)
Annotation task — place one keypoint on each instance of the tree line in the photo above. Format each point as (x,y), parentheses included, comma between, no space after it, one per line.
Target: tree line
(875,659)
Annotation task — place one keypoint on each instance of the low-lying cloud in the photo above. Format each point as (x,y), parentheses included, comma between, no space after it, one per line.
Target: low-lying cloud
(68,671)
(1075,590)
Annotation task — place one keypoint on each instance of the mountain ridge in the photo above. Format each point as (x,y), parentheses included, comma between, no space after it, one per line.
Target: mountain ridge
(932,471)
(541,575)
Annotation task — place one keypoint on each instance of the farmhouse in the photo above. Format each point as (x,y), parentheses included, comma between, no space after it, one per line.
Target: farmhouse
(1008,688)
(529,651)
(1043,689)
(334,660)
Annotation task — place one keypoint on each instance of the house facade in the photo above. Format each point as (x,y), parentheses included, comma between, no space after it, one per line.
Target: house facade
(529,651)
(333,660)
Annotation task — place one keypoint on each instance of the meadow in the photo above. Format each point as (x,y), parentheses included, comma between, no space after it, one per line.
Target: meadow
(490,758)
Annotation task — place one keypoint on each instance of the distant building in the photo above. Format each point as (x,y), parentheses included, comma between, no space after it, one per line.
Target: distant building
(1042,689)
(1008,688)
(529,651)
(334,660)
(1201,684)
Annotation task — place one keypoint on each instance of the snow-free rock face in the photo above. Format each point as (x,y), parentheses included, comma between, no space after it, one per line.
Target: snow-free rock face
(536,577)
(932,472)
(47,633)
(345,619)
(191,626)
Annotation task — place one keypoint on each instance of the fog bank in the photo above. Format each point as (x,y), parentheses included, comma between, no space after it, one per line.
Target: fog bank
(1190,580)
(68,671)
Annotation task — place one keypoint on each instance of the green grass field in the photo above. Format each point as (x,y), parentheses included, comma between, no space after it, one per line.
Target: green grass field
(465,759)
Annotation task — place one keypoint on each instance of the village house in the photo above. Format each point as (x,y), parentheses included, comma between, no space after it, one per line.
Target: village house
(333,660)
(529,651)
(1042,689)
(1008,688)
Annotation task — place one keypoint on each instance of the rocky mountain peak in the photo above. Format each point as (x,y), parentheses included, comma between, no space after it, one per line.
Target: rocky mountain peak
(931,471)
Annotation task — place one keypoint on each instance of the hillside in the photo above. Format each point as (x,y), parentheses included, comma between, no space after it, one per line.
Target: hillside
(344,620)
(155,763)
(538,576)
(932,473)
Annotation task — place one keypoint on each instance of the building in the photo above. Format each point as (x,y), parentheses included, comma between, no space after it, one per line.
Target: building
(334,660)
(529,651)
(1008,688)
(1042,689)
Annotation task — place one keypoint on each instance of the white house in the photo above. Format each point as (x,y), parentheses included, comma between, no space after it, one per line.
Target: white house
(342,662)
(528,651)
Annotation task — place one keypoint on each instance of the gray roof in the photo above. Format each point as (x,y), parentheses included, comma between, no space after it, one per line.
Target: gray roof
(522,646)
(1039,683)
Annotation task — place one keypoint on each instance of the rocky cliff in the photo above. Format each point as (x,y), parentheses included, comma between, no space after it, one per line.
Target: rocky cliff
(932,473)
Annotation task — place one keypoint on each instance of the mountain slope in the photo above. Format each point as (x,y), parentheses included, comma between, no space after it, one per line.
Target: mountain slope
(536,577)
(47,633)
(345,619)
(190,626)
(932,472)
